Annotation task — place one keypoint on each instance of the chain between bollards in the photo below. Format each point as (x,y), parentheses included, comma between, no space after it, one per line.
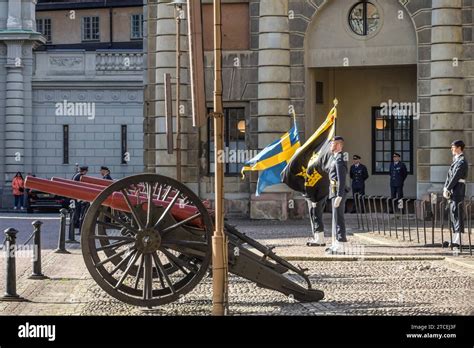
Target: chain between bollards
(10,294)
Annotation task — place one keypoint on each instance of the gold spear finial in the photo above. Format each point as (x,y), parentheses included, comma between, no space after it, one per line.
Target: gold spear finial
(336,102)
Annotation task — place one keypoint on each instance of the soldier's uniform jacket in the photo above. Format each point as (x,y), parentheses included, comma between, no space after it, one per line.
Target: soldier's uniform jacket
(337,175)
(77,177)
(359,175)
(456,180)
(398,174)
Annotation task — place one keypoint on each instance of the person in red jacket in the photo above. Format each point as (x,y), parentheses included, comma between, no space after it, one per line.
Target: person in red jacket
(18,188)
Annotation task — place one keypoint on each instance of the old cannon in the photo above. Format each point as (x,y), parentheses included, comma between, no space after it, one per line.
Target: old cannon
(146,240)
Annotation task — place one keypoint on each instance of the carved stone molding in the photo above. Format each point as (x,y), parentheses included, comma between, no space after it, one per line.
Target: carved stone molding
(65,62)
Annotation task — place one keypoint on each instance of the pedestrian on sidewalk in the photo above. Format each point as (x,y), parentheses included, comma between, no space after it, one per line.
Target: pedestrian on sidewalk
(18,188)
(337,195)
(455,191)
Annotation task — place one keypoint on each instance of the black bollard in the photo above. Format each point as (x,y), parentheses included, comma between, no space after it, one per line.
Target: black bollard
(37,273)
(71,229)
(62,233)
(10,268)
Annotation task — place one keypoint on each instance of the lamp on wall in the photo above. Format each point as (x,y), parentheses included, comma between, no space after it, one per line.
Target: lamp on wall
(241,126)
(380,124)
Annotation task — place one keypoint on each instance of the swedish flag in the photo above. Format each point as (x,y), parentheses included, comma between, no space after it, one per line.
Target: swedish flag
(273,159)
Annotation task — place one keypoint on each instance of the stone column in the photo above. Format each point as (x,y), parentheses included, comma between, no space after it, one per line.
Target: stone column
(273,96)
(447,90)
(14,21)
(14,113)
(166,63)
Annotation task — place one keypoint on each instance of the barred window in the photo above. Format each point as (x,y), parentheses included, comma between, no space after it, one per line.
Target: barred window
(392,132)
(90,29)
(136,23)
(43,26)
(234,141)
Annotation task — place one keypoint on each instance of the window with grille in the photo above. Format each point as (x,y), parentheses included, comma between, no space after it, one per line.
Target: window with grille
(43,26)
(235,152)
(136,26)
(90,29)
(391,132)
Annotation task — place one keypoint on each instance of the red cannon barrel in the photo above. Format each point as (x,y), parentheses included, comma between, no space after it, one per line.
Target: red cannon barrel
(96,181)
(89,192)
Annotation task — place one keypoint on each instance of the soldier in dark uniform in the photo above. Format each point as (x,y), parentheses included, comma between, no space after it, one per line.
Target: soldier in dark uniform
(359,175)
(398,175)
(79,206)
(337,195)
(105,172)
(316,211)
(455,190)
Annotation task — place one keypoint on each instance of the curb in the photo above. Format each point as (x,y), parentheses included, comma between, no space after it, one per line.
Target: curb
(462,263)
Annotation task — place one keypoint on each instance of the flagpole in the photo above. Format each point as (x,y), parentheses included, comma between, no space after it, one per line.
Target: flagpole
(219,240)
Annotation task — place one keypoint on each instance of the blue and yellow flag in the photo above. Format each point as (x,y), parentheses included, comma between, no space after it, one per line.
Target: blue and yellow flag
(307,171)
(273,159)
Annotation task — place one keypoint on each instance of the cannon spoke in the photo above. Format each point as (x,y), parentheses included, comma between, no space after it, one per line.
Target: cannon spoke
(127,270)
(120,221)
(129,239)
(178,262)
(113,245)
(124,260)
(181,223)
(132,210)
(109,259)
(149,204)
(160,268)
(167,209)
(147,277)
(137,277)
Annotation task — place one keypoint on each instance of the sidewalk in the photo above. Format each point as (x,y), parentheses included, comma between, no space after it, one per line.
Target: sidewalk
(422,284)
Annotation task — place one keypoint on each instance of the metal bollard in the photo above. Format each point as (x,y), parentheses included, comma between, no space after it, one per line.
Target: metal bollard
(417,207)
(37,274)
(357,210)
(442,209)
(361,212)
(424,219)
(395,215)
(469,226)
(388,217)
(376,214)
(71,229)
(408,219)
(400,206)
(365,213)
(383,214)
(62,234)
(10,268)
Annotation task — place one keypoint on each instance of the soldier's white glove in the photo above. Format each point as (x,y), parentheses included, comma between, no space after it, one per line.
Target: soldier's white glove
(337,202)
(446,193)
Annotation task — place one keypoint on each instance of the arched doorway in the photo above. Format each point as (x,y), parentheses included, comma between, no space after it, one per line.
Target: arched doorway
(365,54)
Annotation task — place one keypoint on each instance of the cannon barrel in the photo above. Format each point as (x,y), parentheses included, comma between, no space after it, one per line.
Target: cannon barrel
(88,192)
(96,181)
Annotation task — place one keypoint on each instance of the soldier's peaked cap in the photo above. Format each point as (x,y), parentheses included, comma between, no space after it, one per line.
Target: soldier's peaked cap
(396,154)
(458,143)
(338,138)
(84,168)
(104,168)
(356,157)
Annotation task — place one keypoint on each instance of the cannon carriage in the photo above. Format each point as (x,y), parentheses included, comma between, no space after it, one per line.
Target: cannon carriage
(146,241)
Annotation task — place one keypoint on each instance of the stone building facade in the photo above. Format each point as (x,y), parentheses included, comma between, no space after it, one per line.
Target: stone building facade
(302,54)
(65,100)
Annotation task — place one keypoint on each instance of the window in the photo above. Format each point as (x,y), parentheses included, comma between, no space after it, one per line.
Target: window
(136,26)
(43,26)
(234,155)
(124,147)
(65,144)
(319,92)
(391,132)
(364,18)
(90,29)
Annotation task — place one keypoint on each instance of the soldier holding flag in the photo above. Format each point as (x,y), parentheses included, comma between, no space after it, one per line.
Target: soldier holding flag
(337,195)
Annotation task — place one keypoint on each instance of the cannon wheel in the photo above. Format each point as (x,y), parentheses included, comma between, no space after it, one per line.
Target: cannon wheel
(131,254)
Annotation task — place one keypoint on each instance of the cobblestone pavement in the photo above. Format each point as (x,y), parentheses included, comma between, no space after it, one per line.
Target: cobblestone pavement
(423,284)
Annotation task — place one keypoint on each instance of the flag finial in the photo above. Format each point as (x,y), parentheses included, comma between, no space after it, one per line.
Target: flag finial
(336,102)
